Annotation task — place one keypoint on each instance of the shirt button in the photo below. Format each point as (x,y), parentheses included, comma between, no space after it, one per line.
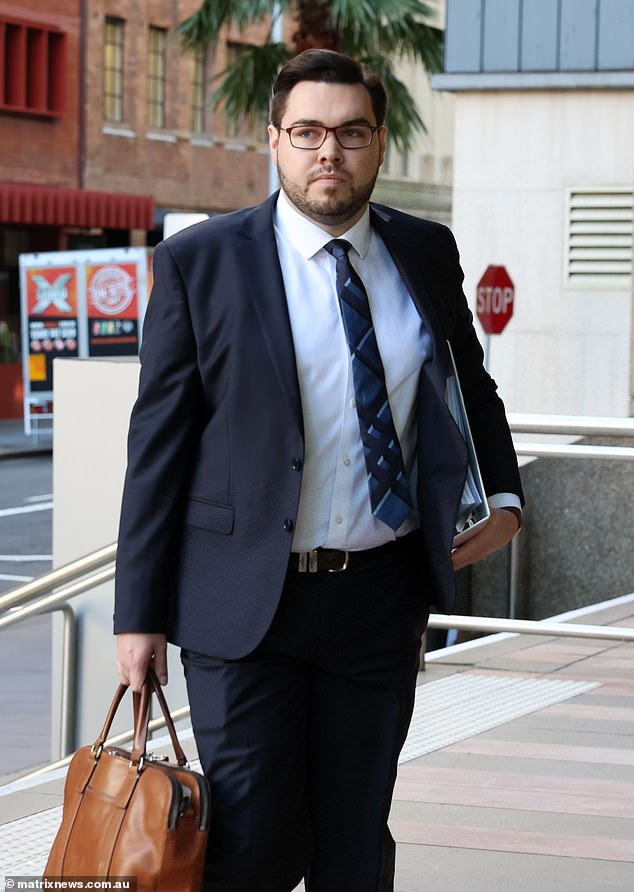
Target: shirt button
(296,464)
(339,519)
(353,404)
(346,461)
(288,525)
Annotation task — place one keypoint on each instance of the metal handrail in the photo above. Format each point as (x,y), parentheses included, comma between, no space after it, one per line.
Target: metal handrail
(16,597)
(572,425)
(529,627)
(564,450)
(436,621)
(37,596)
(154,725)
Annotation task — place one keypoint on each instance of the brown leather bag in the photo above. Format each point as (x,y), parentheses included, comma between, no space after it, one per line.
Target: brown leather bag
(127,814)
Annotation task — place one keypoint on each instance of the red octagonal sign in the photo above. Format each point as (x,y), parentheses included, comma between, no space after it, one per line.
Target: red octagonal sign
(495,296)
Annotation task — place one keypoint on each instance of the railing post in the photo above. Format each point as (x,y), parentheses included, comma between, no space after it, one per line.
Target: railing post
(68,706)
(514,561)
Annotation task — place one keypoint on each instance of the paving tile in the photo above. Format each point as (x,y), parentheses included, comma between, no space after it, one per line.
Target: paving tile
(442,867)
(543,749)
(522,665)
(597,713)
(14,807)
(419,777)
(511,819)
(529,763)
(576,724)
(526,800)
(581,847)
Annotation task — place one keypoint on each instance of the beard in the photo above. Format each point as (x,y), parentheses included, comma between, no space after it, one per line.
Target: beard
(327,211)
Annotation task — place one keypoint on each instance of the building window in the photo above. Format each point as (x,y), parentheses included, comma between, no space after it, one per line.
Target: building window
(599,227)
(251,128)
(113,70)
(156,77)
(199,91)
(32,68)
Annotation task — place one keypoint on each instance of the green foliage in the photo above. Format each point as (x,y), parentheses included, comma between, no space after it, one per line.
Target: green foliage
(376,32)
(245,86)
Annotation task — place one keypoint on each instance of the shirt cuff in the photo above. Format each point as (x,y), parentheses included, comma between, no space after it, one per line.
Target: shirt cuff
(505,500)
(508,501)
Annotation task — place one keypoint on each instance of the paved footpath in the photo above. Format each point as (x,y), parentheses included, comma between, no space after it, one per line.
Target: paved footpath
(518,772)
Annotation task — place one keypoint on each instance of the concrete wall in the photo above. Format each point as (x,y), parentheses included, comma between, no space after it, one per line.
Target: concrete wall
(576,543)
(567,350)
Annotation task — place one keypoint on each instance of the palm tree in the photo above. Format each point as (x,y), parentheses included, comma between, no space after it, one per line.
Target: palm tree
(376,32)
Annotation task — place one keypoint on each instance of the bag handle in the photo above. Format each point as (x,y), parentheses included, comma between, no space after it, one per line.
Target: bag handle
(142,703)
(141,711)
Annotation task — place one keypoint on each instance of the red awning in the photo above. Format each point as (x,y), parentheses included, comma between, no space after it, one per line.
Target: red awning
(27,203)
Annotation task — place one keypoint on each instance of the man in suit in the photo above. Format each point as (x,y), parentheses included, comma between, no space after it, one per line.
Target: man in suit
(293,487)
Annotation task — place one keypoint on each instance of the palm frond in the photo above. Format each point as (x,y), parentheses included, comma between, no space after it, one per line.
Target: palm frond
(204,26)
(398,27)
(402,119)
(245,86)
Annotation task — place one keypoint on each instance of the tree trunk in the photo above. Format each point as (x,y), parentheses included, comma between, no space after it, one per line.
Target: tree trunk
(315,30)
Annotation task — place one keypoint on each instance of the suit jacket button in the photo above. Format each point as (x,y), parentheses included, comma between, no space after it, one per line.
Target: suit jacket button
(296,464)
(288,525)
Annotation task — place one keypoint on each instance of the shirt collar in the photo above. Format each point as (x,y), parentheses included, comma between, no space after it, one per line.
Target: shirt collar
(307,238)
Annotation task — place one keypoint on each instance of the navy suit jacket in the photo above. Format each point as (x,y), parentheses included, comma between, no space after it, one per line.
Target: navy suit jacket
(216,436)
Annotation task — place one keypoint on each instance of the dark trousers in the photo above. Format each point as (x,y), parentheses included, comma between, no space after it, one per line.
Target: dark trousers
(300,739)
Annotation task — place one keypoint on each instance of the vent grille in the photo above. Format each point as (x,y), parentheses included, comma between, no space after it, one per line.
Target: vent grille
(599,237)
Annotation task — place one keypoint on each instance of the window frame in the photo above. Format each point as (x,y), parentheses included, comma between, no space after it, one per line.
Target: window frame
(156,103)
(114,96)
(33,68)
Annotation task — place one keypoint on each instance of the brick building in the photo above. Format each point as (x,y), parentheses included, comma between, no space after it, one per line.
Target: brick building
(150,126)
(45,204)
(106,125)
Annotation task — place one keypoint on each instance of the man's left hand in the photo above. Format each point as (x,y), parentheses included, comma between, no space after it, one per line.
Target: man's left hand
(500,529)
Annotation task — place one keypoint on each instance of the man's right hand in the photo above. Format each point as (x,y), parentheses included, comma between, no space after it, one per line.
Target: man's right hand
(136,651)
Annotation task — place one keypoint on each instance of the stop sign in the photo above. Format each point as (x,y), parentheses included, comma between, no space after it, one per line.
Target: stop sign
(495,296)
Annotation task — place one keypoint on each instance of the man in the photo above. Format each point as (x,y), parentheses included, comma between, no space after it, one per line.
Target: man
(293,486)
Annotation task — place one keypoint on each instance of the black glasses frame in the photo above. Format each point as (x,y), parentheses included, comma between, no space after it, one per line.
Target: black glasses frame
(327,130)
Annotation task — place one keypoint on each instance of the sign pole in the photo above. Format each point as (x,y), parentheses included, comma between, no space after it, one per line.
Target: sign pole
(487,349)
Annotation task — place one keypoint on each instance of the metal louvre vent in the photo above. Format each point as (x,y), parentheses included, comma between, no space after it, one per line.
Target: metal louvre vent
(599,237)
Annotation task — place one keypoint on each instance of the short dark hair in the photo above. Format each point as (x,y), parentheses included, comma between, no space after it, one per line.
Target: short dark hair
(326,66)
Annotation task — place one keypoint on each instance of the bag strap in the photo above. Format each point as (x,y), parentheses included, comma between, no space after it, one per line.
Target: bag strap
(141,711)
(103,734)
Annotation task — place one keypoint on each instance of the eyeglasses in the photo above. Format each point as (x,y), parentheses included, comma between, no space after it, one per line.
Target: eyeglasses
(313,136)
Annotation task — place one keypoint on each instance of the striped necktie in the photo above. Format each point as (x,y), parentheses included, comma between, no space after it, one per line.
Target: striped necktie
(390,497)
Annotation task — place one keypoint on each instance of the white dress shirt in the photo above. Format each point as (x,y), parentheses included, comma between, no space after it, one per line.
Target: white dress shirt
(334,506)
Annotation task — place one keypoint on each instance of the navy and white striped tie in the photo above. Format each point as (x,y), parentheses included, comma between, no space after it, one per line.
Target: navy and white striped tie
(390,497)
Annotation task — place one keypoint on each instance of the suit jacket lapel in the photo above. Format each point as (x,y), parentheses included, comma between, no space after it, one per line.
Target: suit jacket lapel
(406,253)
(262,280)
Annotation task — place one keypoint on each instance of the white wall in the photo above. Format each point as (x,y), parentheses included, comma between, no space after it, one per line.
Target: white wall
(515,153)
(93,399)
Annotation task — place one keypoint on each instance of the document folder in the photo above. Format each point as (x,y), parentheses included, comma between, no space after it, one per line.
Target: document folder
(474,510)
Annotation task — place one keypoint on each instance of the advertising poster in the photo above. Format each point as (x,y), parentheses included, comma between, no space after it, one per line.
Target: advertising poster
(77,304)
(112,308)
(52,321)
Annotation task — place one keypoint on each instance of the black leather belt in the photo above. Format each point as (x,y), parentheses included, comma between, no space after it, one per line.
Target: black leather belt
(331,560)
